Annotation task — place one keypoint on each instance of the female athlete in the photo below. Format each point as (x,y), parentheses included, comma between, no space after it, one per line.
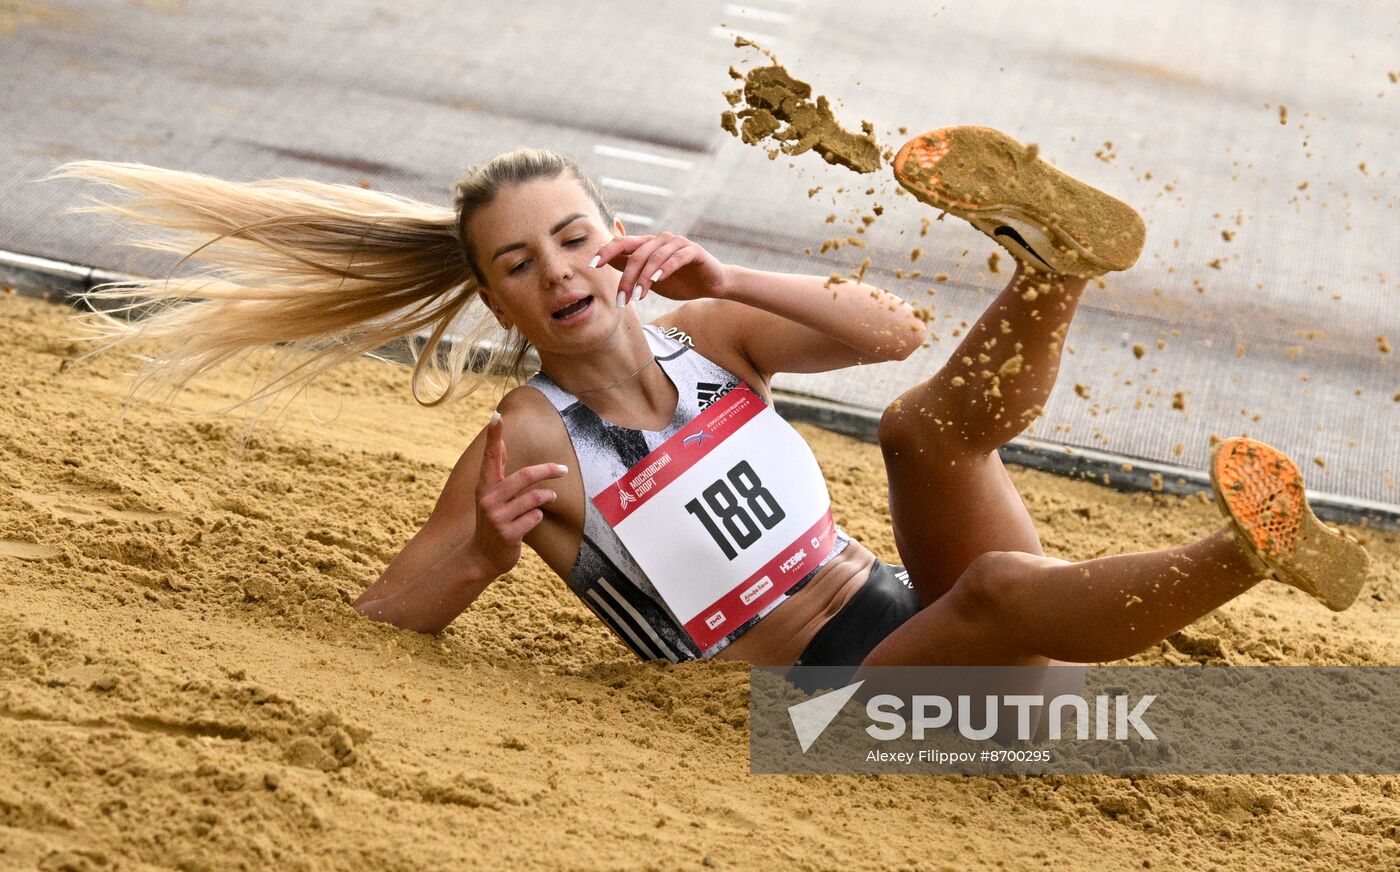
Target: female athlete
(643,462)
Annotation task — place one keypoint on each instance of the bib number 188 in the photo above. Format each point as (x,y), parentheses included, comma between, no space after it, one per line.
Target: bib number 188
(722,502)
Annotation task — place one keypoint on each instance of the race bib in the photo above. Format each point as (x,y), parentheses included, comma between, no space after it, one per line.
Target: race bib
(725,516)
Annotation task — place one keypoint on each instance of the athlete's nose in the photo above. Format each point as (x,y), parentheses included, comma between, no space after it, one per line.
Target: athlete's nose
(557,269)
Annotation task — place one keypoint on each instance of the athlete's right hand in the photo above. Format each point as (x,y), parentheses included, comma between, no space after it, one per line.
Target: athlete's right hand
(507,507)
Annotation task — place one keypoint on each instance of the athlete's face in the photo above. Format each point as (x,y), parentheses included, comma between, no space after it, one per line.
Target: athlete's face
(533,244)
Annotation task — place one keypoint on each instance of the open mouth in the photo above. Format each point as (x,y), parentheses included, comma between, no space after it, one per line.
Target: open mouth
(573,309)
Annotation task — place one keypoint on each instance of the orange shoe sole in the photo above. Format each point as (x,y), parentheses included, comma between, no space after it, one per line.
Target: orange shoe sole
(1005,190)
(1260,490)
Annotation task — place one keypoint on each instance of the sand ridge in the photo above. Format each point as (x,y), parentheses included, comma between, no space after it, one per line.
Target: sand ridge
(184,685)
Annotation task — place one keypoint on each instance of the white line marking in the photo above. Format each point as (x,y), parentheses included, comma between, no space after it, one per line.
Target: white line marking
(634,187)
(634,218)
(643,157)
(755,14)
(729,33)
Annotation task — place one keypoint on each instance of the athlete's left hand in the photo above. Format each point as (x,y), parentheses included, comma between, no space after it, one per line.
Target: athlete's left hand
(672,265)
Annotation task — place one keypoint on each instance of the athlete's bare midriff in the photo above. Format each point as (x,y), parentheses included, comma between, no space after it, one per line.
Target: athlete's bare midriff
(779,639)
(776,640)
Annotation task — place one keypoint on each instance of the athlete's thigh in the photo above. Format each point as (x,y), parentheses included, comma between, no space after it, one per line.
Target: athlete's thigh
(946,514)
(942,634)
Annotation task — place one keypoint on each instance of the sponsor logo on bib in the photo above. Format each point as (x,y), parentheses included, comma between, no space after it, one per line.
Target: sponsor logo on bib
(642,481)
(698,437)
(624,498)
(794,560)
(758,589)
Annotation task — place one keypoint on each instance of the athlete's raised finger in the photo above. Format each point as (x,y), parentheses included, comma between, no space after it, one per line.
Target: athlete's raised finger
(614,252)
(652,271)
(493,458)
(688,253)
(630,285)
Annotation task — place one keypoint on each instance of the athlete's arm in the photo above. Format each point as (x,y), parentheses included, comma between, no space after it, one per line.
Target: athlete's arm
(472,537)
(781,322)
(784,322)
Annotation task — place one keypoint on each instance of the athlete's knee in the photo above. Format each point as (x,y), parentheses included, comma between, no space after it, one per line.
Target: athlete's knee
(896,425)
(917,423)
(908,425)
(992,586)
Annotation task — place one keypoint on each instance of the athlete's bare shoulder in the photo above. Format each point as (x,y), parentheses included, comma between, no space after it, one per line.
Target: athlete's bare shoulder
(688,322)
(535,433)
(534,428)
(672,321)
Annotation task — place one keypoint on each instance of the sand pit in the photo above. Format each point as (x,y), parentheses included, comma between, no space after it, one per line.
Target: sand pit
(183,685)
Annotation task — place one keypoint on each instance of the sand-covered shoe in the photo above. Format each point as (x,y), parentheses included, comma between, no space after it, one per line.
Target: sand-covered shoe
(1261,491)
(1048,220)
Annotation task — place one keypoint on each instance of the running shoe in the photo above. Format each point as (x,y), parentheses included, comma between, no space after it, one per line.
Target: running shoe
(1261,491)
(1049,221)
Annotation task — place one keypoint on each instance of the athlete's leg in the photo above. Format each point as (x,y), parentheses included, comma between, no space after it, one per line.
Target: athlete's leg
(951,499)
(1013,608)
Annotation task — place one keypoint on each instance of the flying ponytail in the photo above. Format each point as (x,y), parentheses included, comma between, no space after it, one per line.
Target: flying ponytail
(321,272)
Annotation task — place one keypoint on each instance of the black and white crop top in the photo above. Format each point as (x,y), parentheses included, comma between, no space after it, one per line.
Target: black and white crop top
(605,576)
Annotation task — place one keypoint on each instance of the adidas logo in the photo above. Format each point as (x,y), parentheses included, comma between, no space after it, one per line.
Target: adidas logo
(707,392)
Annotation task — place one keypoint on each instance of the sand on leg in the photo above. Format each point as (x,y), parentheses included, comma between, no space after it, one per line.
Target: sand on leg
(951,499)
(1013,608)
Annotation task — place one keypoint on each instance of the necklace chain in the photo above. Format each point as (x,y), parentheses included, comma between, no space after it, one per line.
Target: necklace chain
(648,362)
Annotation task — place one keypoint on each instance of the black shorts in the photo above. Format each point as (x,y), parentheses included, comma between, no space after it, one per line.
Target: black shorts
(886,600)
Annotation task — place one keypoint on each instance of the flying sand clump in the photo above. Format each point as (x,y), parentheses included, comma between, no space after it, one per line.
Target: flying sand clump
(773,105)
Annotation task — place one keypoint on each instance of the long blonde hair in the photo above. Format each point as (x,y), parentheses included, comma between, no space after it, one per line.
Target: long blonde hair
(322,272)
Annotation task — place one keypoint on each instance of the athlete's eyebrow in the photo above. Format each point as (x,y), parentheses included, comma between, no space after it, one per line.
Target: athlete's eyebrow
(553,230)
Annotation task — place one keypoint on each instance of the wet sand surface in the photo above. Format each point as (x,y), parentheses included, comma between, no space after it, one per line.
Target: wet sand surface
(184,685)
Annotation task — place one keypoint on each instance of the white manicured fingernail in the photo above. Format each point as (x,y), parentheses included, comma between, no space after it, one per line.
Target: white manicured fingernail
(562,468)
(621,299)
(636,293)
(495,416)
(656,276)
(597,259)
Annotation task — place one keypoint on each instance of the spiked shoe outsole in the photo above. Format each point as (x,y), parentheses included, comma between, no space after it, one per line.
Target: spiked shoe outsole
(1048,220)
(1260,490)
